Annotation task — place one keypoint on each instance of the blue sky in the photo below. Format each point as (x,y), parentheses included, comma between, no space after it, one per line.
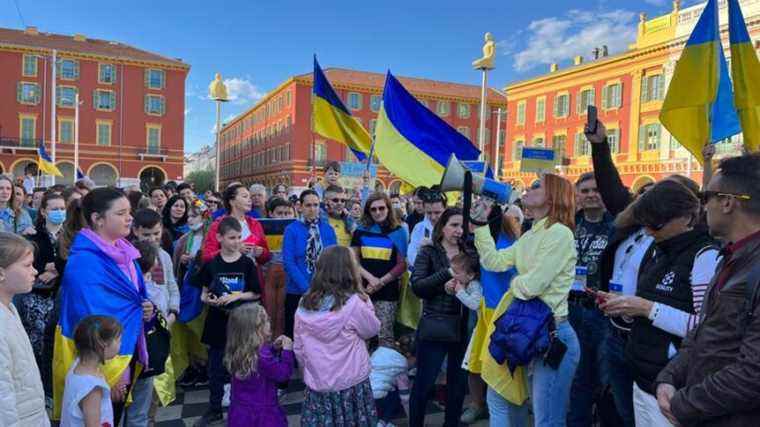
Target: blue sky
(258,44)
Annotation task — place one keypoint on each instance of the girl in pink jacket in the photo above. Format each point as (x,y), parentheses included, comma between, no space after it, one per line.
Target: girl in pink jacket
(332,322)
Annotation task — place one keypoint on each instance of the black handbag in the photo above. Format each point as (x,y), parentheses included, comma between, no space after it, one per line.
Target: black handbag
(439,327)
(158,341)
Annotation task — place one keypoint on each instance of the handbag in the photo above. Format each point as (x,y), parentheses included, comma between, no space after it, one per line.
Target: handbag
(440,327)
(158,341)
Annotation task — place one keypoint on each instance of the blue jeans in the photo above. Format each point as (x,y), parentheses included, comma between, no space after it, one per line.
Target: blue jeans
(551,387)
(217,377)
(136,414)
(503,413)
(590,325)
(620,378)
(430,356)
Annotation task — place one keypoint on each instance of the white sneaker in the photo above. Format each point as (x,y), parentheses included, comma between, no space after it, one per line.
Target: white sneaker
(226,398)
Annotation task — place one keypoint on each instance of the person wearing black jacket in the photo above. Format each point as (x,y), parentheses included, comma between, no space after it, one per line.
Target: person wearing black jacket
(441,330)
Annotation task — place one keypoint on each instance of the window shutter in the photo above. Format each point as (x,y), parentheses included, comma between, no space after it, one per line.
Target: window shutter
(661,87)
(95,100)
(76,70)
(146,75)
(605,92)
(618,95)
(578,103)
(592,101)
(146,106)
(163,107)
(642,137)
(657,129)
(556,106)
(644,89)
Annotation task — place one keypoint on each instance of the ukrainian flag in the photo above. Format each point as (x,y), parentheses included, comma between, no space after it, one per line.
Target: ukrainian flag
(745,70)
(698,107)
(94,284)
(274,230)
(333,120)
(376,247)
(413,142)
(45,163)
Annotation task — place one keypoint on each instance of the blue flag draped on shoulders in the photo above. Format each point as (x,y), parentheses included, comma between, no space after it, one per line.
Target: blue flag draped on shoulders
(93,284)
(413,142)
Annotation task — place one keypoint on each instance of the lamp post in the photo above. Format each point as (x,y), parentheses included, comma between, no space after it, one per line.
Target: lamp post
(484,64)
(218,93)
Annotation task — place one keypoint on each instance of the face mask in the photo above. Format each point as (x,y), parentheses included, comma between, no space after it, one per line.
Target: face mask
(196,227)
(56,216)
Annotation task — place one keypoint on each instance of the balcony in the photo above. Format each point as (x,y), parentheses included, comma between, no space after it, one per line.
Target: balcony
(19,144)
(153,152)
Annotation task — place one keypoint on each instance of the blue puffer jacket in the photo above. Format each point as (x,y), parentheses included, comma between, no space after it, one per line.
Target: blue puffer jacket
(294,253)
(521,333)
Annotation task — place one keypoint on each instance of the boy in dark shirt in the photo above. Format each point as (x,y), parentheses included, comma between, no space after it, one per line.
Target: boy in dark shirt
(228,280)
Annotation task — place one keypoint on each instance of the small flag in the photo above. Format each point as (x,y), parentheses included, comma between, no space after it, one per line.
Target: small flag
(80,174)
(45,163)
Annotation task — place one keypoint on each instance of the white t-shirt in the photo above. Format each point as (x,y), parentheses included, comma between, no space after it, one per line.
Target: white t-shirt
(76,389)
(628,257)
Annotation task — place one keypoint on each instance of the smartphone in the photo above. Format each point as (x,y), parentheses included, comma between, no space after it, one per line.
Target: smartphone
(591,117)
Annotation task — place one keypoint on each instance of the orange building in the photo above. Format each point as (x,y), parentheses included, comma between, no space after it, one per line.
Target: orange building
(131,117)
(272,141)
(628,90)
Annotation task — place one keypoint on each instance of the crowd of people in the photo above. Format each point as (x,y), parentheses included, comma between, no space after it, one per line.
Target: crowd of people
(580,304)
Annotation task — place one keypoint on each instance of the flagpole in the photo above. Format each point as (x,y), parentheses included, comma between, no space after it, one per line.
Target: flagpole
(76,136)
(53,111)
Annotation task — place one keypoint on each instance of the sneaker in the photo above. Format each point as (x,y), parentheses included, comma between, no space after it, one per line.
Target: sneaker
(189,378)
(210,418)
(201,377)
(226,398)
(472,414)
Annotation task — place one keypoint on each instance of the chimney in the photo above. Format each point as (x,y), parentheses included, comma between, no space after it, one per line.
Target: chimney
(553,67)
(578,60)
(80,37)
(32,31)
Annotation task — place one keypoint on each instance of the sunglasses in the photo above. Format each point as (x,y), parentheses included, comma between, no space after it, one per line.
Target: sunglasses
(379,209)
(705,196)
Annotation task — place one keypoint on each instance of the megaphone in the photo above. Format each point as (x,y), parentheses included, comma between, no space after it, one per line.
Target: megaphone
(453,180)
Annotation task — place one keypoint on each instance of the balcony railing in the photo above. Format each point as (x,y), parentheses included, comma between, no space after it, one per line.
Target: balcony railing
(13,144)
(153,152)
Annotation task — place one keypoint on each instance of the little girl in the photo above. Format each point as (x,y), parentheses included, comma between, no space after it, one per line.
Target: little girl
(256,366)
(334,319)
(86,395)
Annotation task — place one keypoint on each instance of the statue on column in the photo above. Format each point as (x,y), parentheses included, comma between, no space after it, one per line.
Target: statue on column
(489,51)
(217,90)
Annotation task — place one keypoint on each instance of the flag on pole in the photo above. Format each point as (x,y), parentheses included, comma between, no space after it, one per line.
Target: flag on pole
(745,70)
(698,106)
(413,142)
(45,163)
(333,120)
(80,174)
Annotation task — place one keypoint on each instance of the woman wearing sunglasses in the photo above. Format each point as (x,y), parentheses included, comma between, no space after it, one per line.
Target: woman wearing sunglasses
(673,278)
(380,244)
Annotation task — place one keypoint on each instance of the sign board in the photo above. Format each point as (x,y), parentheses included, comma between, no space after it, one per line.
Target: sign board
(537,160)
(351,174)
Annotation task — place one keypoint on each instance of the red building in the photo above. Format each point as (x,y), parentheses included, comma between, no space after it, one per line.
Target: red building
(131,115)
(272,141)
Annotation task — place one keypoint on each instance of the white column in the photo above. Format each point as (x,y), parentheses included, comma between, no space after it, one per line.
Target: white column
(53,106)
(218,138)
(76,136)
(497,157)
(483,104)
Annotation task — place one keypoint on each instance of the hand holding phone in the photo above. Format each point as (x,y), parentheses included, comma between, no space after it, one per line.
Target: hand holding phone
(591,119)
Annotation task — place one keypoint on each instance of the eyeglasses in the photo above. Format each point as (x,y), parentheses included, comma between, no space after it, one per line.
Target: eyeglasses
(705,196)
(338,200)
(212,202)
(379,209)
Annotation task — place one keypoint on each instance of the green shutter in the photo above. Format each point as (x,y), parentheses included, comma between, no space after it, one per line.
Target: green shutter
(605,92)
(555,101)
(578,103)
(146,75)
(661,87)
(19,92)
(657,133)
(642,137)
(592,101)
(76,70)
(146,106)
(618,99)
(644,89)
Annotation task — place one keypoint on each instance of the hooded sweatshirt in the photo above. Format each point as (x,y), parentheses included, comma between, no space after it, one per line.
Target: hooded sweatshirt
(330,344)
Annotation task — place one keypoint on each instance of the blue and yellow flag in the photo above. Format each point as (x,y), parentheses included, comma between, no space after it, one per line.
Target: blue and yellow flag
(413,142)
(45,163)
(332,119)
(274,230)
(745,70)
(698,107)
(94,284)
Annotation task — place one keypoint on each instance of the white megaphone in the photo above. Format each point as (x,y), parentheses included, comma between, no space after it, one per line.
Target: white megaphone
(453,180)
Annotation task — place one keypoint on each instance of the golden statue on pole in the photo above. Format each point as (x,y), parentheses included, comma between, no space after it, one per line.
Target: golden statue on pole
(217,91)
(489,51)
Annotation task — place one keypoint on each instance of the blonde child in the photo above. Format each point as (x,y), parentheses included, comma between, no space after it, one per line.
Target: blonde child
(86,395)
(256,365)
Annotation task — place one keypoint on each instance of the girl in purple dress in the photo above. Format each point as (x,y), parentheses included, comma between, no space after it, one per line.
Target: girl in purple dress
(256,366)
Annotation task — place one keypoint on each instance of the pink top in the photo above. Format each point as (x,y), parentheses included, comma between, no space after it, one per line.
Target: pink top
(329,345)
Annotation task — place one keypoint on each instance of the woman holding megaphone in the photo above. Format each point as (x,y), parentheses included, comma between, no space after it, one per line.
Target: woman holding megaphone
(545,259)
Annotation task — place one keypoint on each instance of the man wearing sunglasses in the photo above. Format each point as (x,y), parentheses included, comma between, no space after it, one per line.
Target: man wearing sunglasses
(335,204)
(714,379)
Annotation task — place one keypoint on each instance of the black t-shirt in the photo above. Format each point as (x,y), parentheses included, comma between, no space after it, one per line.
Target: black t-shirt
(221,277)
(591,239)
(378,255)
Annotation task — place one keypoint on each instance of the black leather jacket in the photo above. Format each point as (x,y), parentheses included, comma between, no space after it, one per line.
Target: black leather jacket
(431,272)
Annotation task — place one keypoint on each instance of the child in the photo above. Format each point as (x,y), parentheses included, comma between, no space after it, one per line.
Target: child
(228,280)
(274,271)
(256,366)
(469,290)
(22,400)
(389,377)
(333,320)
(86,395)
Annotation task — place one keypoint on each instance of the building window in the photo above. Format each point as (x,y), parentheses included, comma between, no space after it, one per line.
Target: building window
(68,69)
(443,108)
(540,110)
(539,143)
(320,153)
(582,146)
(155,105)
(652,88)
(28,130)
(464,130)
(106,73)
(65,131)
(354,101)
(562,105)
(517,150)
(28,93)
(649,137)
(612,96)
(559,144)
(464,110)
(153,139)
(66,96)
(521,113)
(155,79)
(30,66)
(585,98)
(374,102)
(288,96)
(104,133)
(613,139)
(104,100)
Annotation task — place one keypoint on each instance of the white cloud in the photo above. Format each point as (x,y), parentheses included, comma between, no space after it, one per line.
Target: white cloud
(560,38)
(242,90)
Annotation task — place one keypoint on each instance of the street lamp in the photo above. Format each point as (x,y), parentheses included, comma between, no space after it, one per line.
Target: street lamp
(217,91)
